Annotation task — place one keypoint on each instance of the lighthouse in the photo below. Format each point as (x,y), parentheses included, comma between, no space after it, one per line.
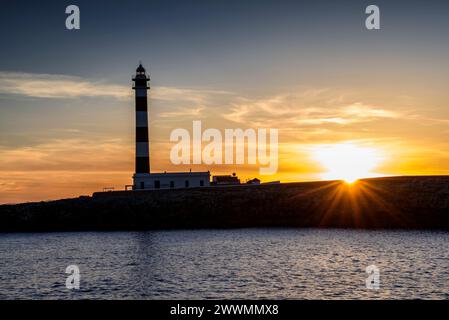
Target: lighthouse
(142,178)
(142,144)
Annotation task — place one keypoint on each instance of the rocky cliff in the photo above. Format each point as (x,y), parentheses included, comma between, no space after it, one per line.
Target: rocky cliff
(396,202)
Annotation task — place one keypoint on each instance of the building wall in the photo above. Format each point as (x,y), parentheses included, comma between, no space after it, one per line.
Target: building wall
(171,180)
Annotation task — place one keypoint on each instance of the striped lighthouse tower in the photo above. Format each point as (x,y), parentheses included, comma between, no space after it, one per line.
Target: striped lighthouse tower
(142,144)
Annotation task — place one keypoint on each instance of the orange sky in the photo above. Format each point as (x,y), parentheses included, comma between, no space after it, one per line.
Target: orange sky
(346,100)
(410,132)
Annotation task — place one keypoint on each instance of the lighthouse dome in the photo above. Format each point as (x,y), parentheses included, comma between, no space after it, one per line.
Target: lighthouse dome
(140,69)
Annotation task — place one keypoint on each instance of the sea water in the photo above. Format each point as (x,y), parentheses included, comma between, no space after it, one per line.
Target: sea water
(226,264)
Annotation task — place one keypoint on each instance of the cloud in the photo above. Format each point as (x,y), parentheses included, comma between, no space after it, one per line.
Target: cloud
(58,86)
(308,108)
(59,168)
(183,113)
(182,103)
(195,95)
(73,154)
(65,86)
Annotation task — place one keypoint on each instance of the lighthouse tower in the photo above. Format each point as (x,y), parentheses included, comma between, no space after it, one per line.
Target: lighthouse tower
(142,144)
(142,178)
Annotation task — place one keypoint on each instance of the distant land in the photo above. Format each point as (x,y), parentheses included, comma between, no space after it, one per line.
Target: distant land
(415,202)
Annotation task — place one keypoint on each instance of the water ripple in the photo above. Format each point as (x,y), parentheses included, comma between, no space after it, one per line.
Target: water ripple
(226,264)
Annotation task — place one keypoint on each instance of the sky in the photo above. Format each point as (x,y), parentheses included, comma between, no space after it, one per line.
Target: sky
(307,68)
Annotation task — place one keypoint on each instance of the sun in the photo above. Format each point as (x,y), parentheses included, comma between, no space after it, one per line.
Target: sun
(347,161)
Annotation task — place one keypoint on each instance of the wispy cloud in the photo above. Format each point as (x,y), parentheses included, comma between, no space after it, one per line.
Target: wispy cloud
(194,112)
(196,95)
(66,87)
(311,107)
(58,86)
(58,154)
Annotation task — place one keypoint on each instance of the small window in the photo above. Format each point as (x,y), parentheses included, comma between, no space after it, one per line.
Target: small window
(187,183)
(172,184)
(157,184)
(201,183)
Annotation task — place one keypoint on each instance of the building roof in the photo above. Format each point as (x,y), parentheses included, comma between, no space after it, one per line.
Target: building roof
(174,174)
(226,178)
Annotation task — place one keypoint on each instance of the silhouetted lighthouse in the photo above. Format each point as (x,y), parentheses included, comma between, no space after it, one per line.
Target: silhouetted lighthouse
(142,178)
(142,145)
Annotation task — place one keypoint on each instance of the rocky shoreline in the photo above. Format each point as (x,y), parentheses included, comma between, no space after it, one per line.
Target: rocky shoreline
(420,202)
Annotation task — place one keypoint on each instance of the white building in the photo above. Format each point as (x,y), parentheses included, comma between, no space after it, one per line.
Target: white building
(171,180)
(143,178)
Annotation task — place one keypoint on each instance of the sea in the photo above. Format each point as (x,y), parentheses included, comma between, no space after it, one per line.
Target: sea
(226,264)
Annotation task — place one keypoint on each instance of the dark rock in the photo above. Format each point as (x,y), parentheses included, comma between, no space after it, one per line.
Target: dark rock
(396,202)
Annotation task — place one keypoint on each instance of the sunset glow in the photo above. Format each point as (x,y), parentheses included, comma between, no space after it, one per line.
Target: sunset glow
(346,104)
(347,161)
